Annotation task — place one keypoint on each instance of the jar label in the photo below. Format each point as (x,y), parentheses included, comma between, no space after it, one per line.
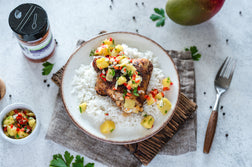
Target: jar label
(39,51)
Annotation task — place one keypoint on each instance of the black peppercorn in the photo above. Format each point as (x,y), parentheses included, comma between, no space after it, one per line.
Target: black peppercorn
(221,107)
(226,135)
(223,114)
(209,45)
(210,107)
(45,80)
(48,85)
(204,93)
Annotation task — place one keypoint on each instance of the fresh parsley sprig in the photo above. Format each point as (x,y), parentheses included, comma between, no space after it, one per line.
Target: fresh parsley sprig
(47,68)
(59,161)
(92,53)
(160,16)
(194,52)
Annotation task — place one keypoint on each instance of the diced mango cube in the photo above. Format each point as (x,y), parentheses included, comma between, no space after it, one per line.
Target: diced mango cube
(121,80)
(118,48)
(147,121)
(102,63)
(166,82)
(31,122)
(159,96)
(107,126)
(83,107)
(130,68)
(164,105)
(11,131)
(8,121)
(22,134)
(108,42)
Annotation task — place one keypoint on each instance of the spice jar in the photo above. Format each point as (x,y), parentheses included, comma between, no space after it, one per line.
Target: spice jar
(31,27)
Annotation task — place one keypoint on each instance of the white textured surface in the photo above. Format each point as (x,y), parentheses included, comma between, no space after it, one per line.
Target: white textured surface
(78,19)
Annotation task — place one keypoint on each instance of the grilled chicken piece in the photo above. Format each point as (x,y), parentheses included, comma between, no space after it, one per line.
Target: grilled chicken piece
(105,88)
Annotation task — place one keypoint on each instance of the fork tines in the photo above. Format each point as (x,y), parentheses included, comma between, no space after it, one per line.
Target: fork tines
(228,67)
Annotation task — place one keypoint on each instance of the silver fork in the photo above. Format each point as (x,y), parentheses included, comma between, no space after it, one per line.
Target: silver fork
(222,82)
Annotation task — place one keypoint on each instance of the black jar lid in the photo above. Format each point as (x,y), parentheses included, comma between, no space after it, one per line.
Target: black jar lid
(29,22)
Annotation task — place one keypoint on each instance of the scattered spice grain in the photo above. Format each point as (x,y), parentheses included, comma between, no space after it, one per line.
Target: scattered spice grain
(226,41)
(209,45)
(56,42)
(143,3)
(10,96)
(48,85)
(110,6)
(137,30)
(134,18)
(210,107)
(223,114)
(204,93)
(136,4)
(45,80)
(221,107)
(240,13)
(226,135)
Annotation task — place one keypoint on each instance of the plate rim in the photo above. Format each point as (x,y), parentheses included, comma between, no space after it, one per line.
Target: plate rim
(107,140)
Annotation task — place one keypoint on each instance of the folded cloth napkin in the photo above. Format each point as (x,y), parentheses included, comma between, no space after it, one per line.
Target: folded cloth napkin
(63,131)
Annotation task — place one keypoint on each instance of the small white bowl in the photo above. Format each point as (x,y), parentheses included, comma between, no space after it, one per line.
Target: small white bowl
(31,136)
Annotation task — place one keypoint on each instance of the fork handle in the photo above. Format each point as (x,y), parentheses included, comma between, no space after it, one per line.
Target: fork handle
(210,131)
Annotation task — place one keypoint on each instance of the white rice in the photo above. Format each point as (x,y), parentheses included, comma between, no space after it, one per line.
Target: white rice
(84,88)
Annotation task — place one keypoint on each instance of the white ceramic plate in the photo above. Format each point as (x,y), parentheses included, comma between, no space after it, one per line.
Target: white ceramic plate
(121,135)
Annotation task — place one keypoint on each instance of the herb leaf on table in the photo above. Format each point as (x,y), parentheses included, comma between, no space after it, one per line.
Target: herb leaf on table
(47,68)
(194,52)
(160,16)
(59,161)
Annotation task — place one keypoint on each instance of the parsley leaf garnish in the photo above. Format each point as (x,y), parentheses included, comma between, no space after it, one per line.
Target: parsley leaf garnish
(68,157)
(47,68)
(78,161)
(113,72)
(194,52)
(129,73)
(92,53)
(135,92)
(160,17)
(59,161)
(124,93)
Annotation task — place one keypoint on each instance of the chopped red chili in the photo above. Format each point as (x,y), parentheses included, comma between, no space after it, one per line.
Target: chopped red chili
(166,88)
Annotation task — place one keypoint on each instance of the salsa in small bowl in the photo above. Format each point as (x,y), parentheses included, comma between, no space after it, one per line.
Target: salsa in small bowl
(19,123)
